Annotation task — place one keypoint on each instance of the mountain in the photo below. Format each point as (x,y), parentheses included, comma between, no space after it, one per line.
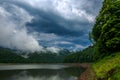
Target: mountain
(13,56)
(9,56)
(86,55)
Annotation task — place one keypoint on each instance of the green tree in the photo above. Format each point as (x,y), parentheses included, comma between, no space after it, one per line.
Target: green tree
(106,31)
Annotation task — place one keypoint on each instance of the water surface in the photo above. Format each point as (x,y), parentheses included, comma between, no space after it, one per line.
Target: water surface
(40,72)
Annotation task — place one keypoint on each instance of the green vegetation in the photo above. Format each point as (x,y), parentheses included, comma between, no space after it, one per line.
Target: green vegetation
(87,55)
(8,56)
(108,68)
(11,56)
(106,31)
(105,35)
(48,57)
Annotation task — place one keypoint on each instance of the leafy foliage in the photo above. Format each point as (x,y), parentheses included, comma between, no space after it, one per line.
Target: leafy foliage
(108,68)
(106,31)
(87,55)
(8,56)
(48,57)
(106,34)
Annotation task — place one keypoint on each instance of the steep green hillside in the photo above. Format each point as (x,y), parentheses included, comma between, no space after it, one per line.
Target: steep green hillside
(106,36)
(9,56)
(106,31)
(108,68)
(86,55)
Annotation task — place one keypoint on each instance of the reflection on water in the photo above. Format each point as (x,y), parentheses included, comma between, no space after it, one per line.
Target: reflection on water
(66,73)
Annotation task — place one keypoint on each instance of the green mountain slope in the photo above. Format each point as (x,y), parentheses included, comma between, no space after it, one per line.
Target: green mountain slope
(108,68)
(106,31)
(86,55)
(106,43)
(106,36)
(9,56)
(48,57)
(12,56)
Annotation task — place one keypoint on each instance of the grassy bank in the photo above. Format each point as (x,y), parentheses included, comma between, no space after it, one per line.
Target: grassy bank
(108,68)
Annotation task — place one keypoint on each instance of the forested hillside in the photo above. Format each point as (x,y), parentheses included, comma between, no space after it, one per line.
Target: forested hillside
(8,56)
(106,35)
(105,52)
(12,56)
(106,31)
(86,55)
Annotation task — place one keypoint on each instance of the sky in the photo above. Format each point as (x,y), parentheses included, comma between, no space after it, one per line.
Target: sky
(32,25)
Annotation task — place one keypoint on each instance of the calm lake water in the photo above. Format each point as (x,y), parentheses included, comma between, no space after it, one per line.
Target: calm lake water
(40,72)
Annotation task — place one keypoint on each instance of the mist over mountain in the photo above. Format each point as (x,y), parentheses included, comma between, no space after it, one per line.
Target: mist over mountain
(13,56)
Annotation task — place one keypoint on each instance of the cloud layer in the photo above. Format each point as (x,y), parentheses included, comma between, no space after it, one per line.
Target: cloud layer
(13,32)
(29,25)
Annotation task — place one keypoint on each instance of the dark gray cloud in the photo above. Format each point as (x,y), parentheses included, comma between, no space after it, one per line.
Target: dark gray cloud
(53,23)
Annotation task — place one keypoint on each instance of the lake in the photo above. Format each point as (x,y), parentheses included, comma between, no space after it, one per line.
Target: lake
(40,72)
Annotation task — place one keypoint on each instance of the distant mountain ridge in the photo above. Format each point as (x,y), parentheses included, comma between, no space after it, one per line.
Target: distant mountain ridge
(13,56)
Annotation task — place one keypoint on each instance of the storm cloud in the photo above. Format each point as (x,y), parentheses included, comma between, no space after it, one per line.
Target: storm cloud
(30,25)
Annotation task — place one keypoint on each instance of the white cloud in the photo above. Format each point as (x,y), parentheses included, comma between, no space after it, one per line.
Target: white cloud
(77,47)
(69,9)
(62,42)
(48,36)
(14,34)
(11,35)
(53,49)
(54,40)
(41,4)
